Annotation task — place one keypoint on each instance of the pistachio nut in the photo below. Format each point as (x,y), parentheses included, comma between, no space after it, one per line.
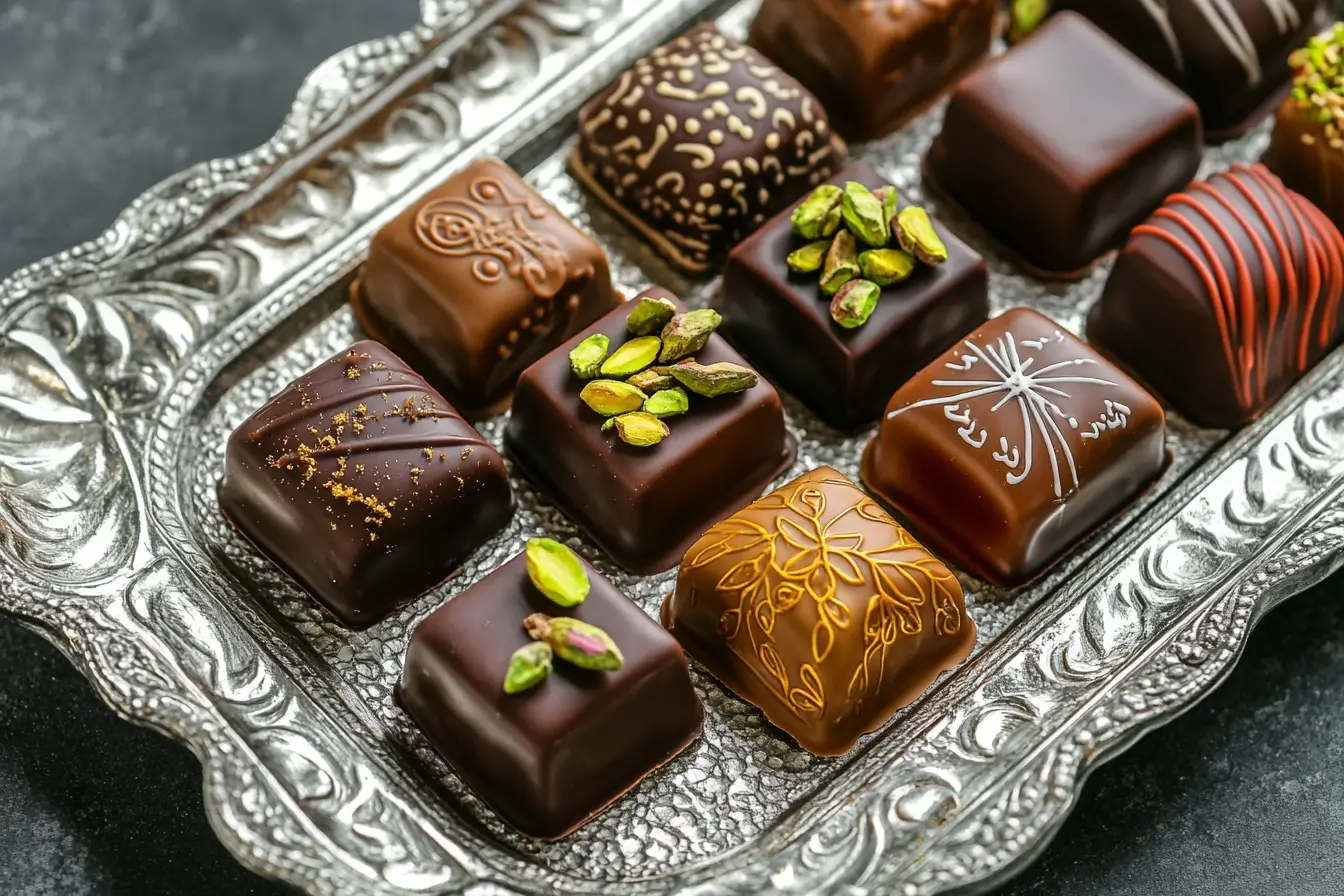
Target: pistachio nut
(640,429)
(556,571)
(916,235)
(842,263)
(529,666)
(632,357)
(575,642)
(652,380)
(687,333)
(649,316)
(809,258)
(818,215)
(612,397)
(864,215)
(714,380)
(1025,17)
(890,198)
(667,403)
(586,358)
(854,303)
(886,267)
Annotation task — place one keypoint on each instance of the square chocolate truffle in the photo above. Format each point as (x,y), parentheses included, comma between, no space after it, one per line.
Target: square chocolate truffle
(645,505)
(1245,278)
(874,63)
(782,321)
(816,606)
(1307,148)
(1014,445)
(700,143)
(1061,145)
(476,281)
(363,484)
(549,758)
(1229,55)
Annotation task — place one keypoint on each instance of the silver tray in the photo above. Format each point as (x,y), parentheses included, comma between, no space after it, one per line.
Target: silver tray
(125,362)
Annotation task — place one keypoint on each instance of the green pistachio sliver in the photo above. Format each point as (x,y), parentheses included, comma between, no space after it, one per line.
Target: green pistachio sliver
(556,571)
(714,380)
(612,397)
(577,643)
(632,357)
(863,214)
(667,403)
(842,263)
(649,315)
(915,233)
(854,304)
(809,258)
(687,333)
(640,429)
(818,215)
(586,358)
(529,666)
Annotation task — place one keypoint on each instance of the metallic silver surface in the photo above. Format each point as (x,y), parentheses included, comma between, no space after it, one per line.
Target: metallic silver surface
(124,364)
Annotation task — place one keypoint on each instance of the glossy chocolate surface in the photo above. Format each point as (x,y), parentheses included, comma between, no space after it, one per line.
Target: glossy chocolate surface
(782,320)
(874,64)
(1014,445)
(816,606)
(700,143)
(1061,145)
(477,280)
(1245,277)
(1231,56)
(644,506)
(550,758)
(363,484)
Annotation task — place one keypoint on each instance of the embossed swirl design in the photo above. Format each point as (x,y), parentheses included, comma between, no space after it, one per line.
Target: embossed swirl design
(809,554)
(492,228)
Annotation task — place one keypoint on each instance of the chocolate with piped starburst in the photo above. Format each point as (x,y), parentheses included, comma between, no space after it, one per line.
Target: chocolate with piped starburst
(1013,445)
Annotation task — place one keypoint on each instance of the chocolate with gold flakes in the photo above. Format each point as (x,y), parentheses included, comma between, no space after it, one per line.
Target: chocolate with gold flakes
(363,484)
(699,143)
(1013,445)
(874,63)
(476,281)
(816,606)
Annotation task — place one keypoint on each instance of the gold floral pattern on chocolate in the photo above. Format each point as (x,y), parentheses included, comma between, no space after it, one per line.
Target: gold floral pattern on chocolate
(492,227)
(700,142)
(814,543)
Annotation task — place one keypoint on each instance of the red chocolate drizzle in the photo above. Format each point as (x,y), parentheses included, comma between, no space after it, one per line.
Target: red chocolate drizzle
(1276,238)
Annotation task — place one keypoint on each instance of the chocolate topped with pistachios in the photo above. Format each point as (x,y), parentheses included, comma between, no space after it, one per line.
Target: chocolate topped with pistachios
(699,143)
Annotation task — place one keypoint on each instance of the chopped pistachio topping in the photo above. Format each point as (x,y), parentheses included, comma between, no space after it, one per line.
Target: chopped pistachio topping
(1318,81)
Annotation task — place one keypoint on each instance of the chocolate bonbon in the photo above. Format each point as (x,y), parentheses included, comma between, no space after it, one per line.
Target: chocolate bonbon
(1061,145)
(1307,148)
(1014,444)
(1246,279)
(781,319)
(644,503)
(817,607)
(559,750)
(699,143)
(874,63)
(1229,55)
(363,483)
(476,281)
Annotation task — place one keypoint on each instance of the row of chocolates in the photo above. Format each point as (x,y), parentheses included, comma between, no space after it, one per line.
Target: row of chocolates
(365,484)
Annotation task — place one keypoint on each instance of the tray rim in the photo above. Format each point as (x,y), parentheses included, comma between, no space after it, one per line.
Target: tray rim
(1279,528)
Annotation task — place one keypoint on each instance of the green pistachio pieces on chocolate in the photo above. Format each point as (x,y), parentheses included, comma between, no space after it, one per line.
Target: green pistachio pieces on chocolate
(575,642)
(890,198)
(612,397)
(587,357)
(809,258)
(818,215)
(649,316)
(529,666)
(556,571)
(640,429)
(855,303)
(886,267)
(916,235)
(632,357)
(714,380)
(864,215)
(842,263)
(608,423)
(654,379)
(687,333)
(1025,17)
(667,403)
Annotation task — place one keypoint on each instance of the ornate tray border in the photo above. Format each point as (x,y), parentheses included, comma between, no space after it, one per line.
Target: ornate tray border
(107,349)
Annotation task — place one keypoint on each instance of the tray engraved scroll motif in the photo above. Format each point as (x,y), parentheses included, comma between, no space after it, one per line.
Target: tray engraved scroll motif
(124,364)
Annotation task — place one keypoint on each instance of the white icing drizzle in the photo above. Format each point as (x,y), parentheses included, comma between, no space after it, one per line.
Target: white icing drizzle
(1227,24)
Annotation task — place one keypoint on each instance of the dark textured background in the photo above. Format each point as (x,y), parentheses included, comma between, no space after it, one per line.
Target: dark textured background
(101,98)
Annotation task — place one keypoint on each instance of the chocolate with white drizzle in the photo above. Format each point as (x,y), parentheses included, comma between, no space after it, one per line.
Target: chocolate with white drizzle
(700,143)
